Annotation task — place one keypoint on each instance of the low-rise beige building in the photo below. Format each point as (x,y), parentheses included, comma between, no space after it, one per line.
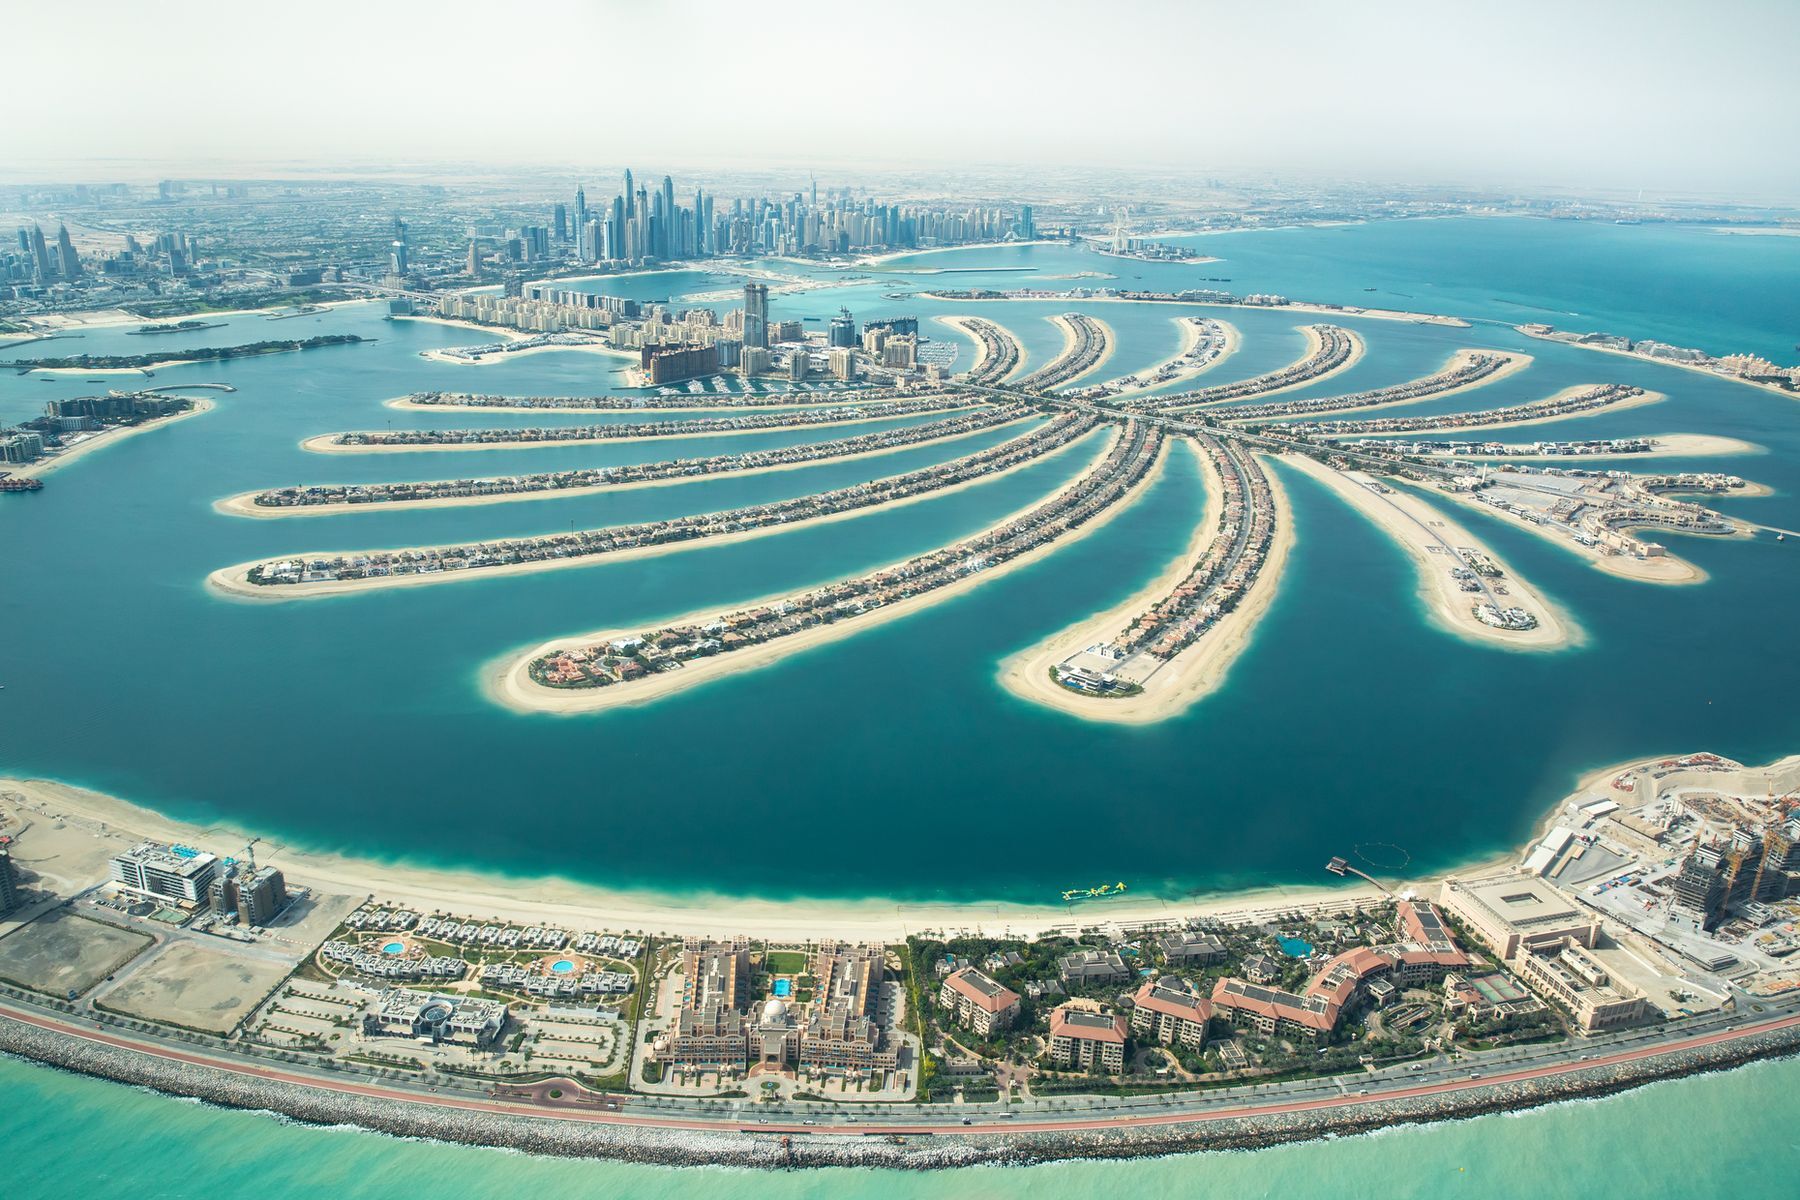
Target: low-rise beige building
(1570,973)
(1516,912)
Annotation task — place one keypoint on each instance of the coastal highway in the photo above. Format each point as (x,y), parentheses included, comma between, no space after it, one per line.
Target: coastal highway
(1520,1065)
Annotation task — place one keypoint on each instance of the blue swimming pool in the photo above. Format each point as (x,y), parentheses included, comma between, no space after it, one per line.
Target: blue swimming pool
(1295,947)
(394,948)
(562,966)
(784,988)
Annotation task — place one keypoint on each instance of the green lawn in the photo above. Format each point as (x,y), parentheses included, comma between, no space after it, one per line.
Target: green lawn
(784,962)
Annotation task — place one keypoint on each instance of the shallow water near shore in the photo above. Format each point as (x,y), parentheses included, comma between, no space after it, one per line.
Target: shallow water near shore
(1667,1140)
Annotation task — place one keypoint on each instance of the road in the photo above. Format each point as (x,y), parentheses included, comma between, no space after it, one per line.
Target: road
(1442,1078)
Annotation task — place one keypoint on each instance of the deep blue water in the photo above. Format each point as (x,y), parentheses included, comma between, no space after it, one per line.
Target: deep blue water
(1348,720)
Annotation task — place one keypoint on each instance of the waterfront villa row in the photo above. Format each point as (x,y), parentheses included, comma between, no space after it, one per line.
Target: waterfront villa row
(458,400)
(1212,340)
(626,659)
(1468,368)
(957,425)
(1586,400)
(1559,449)
(549,435)
(1089,342)
(1332,349)
(999,355)
(1225,572)
(562,547)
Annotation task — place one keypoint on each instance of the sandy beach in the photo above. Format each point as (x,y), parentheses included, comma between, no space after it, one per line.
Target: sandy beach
(108,437)
(1190,338)
(565,902)
(557,900)
(1514,364)
(324,443)
(235,581)
(1412,524)
(1667,569)
(509,683)
(244,504)
(1191,675)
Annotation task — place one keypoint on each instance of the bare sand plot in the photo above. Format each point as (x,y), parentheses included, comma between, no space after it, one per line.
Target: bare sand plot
(197,987)
(61,952)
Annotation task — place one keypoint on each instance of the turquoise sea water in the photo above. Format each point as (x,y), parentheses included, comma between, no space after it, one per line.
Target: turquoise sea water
(1731,1135)
(1349,721)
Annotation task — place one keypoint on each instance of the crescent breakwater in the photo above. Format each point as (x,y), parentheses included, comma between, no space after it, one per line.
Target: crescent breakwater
(1206,297)
(1329,349)
(574,1132)
(401,440)
(307,500)
(315,574)
(621,667)
(1466,369)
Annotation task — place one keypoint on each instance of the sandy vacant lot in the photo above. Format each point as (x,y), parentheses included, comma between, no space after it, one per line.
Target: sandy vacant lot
(60,952)
(197,986)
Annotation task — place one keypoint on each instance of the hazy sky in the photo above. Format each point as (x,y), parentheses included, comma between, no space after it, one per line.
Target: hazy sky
(1672,94)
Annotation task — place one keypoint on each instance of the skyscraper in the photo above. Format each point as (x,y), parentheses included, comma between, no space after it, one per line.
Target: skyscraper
(41,267)
(630,195)
(65,252)
(560,221)
(756,315)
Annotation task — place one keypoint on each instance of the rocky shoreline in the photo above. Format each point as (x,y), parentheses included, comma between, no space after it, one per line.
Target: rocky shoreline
(682,1147)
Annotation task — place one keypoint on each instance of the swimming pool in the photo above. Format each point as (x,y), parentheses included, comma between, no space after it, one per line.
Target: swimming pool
(394,948)
(1295,947)
(562,966)
(784,988)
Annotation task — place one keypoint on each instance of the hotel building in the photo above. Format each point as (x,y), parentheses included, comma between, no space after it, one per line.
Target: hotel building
(979,1002)
(1084,1039)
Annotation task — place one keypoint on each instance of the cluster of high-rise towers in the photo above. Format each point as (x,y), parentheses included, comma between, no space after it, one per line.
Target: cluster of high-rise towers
(640,224)
(47,263)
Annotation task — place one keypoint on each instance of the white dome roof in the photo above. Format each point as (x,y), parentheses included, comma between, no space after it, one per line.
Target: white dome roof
(774,1011)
